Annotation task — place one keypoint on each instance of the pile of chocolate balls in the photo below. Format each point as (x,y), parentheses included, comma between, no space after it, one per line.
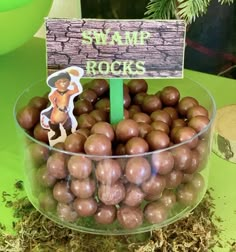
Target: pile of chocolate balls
(132,173)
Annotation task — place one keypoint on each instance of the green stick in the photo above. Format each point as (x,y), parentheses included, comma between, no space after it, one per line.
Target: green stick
(116,100)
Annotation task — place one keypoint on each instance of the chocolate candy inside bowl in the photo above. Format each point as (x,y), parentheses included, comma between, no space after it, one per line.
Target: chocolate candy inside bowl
(142,173)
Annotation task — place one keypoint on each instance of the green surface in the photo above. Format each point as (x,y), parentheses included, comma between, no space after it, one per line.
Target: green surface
(26,65)
(6,5)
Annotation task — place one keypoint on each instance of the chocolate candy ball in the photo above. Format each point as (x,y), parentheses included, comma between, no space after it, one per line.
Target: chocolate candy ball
(198,123)
(80,167)
(98,144)
(162,162)
(185,104)
(111,194)
(138,98)
(154,186)
(38,102)
(136,145)
(126,129)
(108,171)
(173,179)
(38,154)
(99,86)
(85,121)
(103,104)
(198,182)
(56,165)
(144,129)
(126,100)
(82,106)
(186,134)
(178,123)
(66,212)
(62,193)
(172,112)
(133,109)
(159,125)
(99,115)
(170,96)
(28,117)
(161,115)
(187,194)
(130,217)
(85,207)
(83,188)
(155,212)
(182,156)
(195,161)
(197,111)
(157,140)
(168,198)
(151,103)
(137,86)
(134,195)
(85,132)
(40,133)
(46,201)
(105,214)
(137,170)
(103,128)
(44,177)
(75,142)
(120,149)
(89,95)
(141,117)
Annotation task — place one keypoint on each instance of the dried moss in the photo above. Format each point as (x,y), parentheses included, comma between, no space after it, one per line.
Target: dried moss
(34,232)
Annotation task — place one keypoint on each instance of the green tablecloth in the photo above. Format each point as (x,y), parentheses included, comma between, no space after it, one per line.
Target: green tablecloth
(26,65)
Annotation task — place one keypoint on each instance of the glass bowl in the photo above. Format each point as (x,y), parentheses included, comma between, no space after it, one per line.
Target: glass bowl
(117,194)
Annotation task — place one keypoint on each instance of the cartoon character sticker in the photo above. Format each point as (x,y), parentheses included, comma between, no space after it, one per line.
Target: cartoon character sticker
(58,118)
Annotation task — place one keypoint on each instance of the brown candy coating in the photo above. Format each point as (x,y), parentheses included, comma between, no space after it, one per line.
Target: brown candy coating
(46,201)
(172,112)
(155,212)
(105,214)
(154,186)
(83,188)
(44,178)
(141,117)
(159,125)
(99,115)
(151,103)
(66,212)
(99,86)
(186,134)
(104,128)
(103,104)
(62,193)
(136,145)
(137,170)
(40,133)
(157,140)
(134,195)
(82,106)
(130,217)
(185,104)
(137,86)
(197,111)
(38,102)
(173,179)
(75,142)
(126,129)
(98,144)
(38,154)
(85,207)
(187,194)
(198,182)
(168,198)
(28,117)
(85,121)
(138,98)
(198,123)
(195,161)
(144,129)
(56,165)
(162,162)
(111,194)
(182,156)
(89,95)
(80,167)
(170,96)
(161,115)
(108,171)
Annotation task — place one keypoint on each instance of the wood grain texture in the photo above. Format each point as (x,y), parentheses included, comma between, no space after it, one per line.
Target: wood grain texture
(162,52)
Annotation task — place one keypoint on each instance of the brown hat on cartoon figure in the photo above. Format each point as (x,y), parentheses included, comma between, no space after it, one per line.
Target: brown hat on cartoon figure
(53,79)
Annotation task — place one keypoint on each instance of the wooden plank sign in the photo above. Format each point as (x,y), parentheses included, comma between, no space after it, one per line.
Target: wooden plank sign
(117,48)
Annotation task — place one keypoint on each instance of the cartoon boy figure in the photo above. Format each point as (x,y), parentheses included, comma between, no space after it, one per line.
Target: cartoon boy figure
(65,85)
